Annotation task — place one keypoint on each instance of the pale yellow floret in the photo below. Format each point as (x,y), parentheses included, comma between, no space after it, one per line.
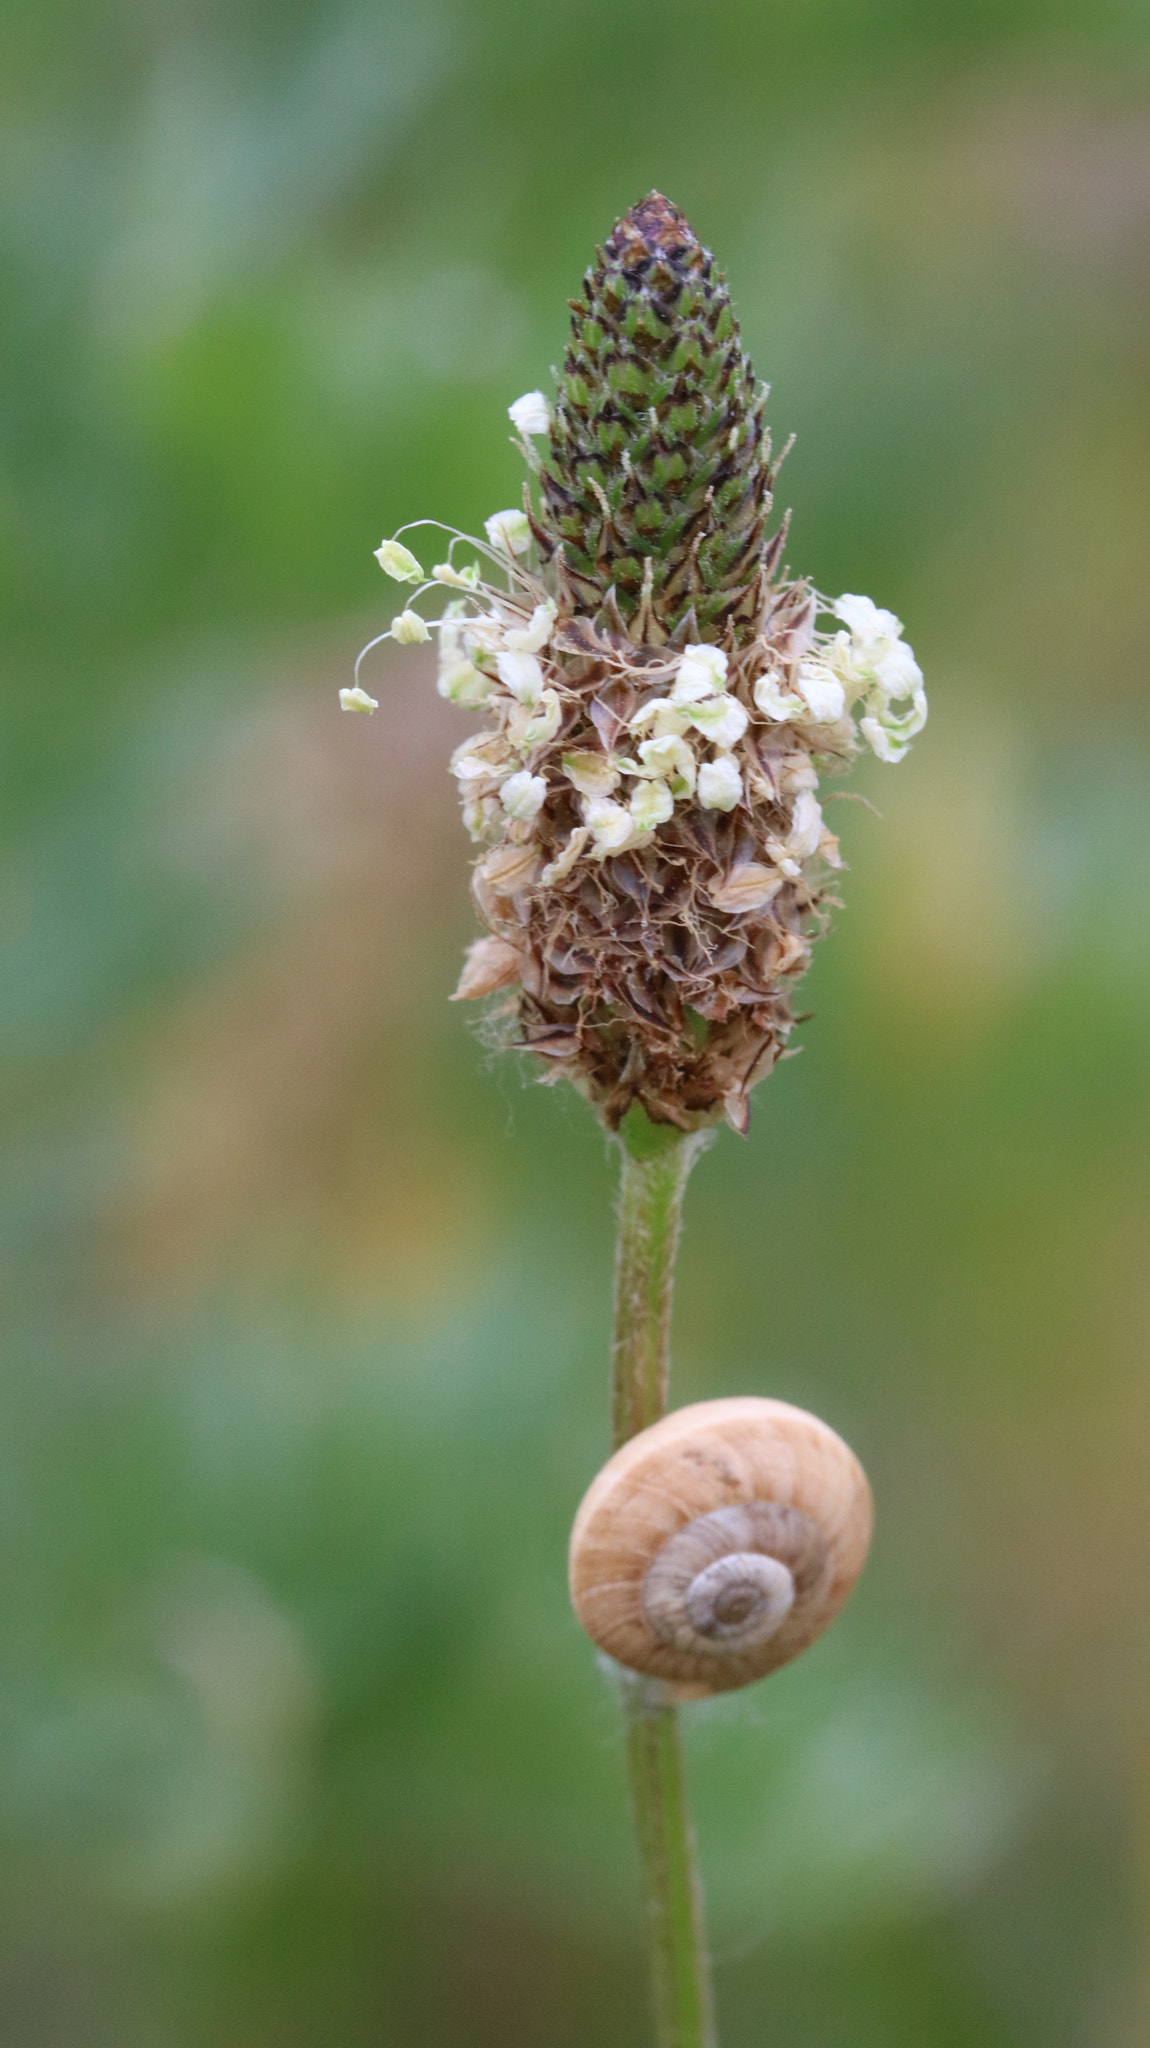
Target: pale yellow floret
(457,579)
(822,691)
(775,701)
(523,796)
(530,414)
(398,562)
(610,824)
(592,774)
(651,804)
(663,716)
(722,720)
(522,675)
(671,758)
(533,725)
(530,638)
(720,784)
(409,630)
(701,673)
(509,530)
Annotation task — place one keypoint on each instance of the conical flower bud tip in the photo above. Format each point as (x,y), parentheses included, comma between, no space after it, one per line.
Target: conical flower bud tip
(658,476)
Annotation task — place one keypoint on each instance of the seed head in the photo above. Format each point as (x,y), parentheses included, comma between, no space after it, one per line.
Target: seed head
(660,705)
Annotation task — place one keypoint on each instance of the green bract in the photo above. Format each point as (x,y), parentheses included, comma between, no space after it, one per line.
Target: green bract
(659,464)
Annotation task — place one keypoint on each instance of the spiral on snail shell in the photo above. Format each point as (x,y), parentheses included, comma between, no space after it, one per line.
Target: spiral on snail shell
(717,1544)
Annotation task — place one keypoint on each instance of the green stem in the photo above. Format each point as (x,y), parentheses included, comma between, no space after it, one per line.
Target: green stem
(656,1163)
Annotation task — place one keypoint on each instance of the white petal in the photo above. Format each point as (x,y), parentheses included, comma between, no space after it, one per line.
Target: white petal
(897,672)
(701,673)
(398,562)
(611,825)
(532,725)
(522,675)
(822,691)
(865,619)
(652,804)
(409,629)
(462,683)
(523,796)
(356,699)
(529,639)
(663,716)
(530,414)
(509,530)
(592,774)
(470,770)
(671,758)
(722,720)
(720,784)
(775,702)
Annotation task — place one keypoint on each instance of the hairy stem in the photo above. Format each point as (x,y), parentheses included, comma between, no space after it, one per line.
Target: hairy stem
(656,1163)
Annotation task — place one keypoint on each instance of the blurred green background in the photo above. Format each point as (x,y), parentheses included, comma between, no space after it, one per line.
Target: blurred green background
(305,1297)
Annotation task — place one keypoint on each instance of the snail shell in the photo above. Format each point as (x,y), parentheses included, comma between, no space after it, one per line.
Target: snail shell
(714,1546)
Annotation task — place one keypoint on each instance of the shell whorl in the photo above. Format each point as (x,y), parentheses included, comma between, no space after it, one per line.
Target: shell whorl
(717,1544)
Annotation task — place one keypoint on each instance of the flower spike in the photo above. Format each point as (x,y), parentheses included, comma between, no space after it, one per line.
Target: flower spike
(660,702)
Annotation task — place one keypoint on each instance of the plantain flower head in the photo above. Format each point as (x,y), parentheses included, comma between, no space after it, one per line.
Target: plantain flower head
(663,701)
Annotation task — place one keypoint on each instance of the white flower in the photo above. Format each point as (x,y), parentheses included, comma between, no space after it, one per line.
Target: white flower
(722,720)
(529,639)
(611,825)
(459,579)
(530,414)
(896,672)
(651,804)
(509,530)
(701,673)
(409,629)
(889,731)
(592,774)
(462,683)
(866,621)
(664,716)
(822,691)
(523,796)
(530,726)
(398,562)
(482,816)
(671,758)
(889,738)
(459,680)
(482,630)
(806,826)
(522,675)
(775,702)
(471,771)
(878,666)
(358,700)
(720,784)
